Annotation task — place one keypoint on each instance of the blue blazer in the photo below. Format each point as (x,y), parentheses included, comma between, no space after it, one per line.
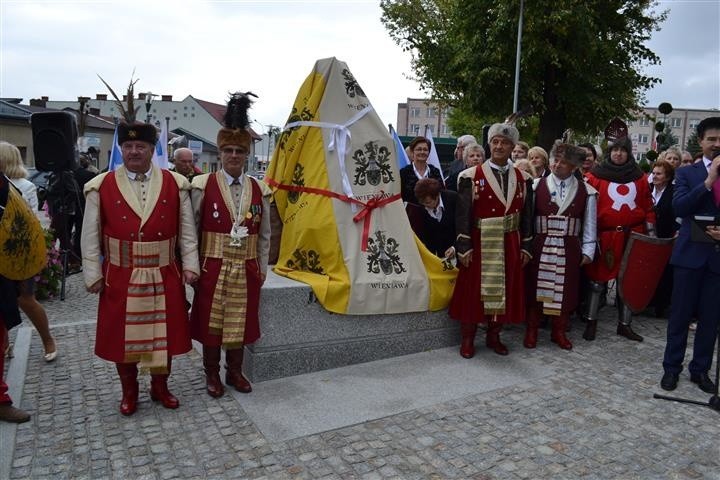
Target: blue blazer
(692,198)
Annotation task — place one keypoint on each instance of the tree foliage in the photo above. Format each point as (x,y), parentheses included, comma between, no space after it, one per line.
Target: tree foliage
(581,61)
(693,144)
(666,139)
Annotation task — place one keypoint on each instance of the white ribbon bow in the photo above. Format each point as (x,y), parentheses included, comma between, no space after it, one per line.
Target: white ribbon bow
(339,142)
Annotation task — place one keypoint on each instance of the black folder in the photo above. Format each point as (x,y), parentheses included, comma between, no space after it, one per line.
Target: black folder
(698,228)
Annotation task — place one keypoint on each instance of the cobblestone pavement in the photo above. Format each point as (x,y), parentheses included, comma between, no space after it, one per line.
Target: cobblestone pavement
(594,419)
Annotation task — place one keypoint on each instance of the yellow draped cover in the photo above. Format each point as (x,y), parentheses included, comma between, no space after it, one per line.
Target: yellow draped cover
(22,240)
(335,143)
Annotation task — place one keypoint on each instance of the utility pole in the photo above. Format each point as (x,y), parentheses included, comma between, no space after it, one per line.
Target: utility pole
(517,58)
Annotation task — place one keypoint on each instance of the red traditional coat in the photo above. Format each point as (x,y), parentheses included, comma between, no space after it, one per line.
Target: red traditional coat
(119,221)
(572,244)
(622,208)
(466,304)
(210,267)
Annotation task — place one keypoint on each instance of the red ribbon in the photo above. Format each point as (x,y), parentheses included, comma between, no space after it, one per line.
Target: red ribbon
(365,213)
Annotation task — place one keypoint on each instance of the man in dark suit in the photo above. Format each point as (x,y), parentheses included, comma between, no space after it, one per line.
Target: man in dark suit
(696,286)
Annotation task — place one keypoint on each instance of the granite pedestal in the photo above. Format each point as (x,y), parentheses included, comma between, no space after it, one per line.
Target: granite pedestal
(300,336)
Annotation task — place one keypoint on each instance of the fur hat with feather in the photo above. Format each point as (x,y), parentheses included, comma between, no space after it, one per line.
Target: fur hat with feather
(235,131)
(129,128)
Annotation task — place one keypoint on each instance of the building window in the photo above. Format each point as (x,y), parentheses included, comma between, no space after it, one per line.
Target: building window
(675,122)
(432,111)
(644,121)
(642,138)
(444,129)
(185,107)
(415,129)
(174,118)
(174,111)
(415,112)
(629,122)
(192,114)
(694,123)
(154,110)
(185,115)
(431,128)
(192,108)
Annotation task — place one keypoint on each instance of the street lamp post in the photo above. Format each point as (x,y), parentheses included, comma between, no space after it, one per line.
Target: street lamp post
(271,132)
(148,101)
(516,95)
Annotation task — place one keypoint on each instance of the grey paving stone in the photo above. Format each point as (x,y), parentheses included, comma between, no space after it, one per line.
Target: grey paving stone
(593,418)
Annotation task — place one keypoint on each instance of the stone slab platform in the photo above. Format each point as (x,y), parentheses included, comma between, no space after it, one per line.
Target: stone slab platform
(295,407)
(300,336)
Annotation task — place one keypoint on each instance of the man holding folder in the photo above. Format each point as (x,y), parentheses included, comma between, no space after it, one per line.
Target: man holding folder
(696,261)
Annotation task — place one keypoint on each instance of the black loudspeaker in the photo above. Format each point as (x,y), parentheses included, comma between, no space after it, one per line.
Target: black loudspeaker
(55,141)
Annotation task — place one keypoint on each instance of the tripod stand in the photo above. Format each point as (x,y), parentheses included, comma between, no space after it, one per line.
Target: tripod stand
(714,401)
(62,213)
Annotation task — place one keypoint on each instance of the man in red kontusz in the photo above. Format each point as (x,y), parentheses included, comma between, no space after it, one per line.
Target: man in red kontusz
(494,234)
(136,219)
(565,234)
(232,211)
(624,205)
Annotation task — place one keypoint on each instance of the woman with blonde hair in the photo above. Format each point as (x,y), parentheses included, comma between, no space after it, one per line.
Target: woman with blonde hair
(12,165)
(673,156)
(539,160)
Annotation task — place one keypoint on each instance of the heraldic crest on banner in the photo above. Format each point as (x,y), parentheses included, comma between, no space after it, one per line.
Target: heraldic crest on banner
(335,179)
(372,165)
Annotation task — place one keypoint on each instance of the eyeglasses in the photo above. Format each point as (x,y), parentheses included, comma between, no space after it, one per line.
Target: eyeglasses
(234,151)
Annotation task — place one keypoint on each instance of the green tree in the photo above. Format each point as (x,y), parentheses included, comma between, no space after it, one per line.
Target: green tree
(693,145)
(666,140)
(581,63)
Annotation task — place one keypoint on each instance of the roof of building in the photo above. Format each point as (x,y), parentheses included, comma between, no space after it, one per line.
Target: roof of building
(217,111)
(12,108)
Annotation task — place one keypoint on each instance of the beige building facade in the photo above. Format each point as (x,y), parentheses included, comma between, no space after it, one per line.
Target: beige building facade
(416,113)
(682,121)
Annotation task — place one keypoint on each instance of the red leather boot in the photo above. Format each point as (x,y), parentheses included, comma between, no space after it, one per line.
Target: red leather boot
(558,331)
(211,363)
(531,329)
(233,373)
(467,339)
(492,338)
(159,390)
(128,379)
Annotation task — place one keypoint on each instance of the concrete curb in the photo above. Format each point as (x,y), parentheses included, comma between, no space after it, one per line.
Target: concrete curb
(16,381)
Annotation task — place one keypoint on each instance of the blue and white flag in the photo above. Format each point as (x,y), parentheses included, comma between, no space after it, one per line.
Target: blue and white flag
(402,158)
(115,154)
(433,158)
(160,157)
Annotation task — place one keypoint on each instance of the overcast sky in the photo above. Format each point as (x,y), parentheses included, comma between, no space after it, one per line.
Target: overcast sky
(207,49)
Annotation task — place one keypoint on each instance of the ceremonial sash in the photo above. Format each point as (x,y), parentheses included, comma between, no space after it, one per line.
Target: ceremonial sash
(229,304)
(145,313)
(551,269)
(492,258)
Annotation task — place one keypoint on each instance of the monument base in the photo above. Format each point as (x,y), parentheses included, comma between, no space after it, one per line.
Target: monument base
(300,336)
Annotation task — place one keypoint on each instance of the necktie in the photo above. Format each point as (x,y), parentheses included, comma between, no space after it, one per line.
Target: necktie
(562,190)
(716,192)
